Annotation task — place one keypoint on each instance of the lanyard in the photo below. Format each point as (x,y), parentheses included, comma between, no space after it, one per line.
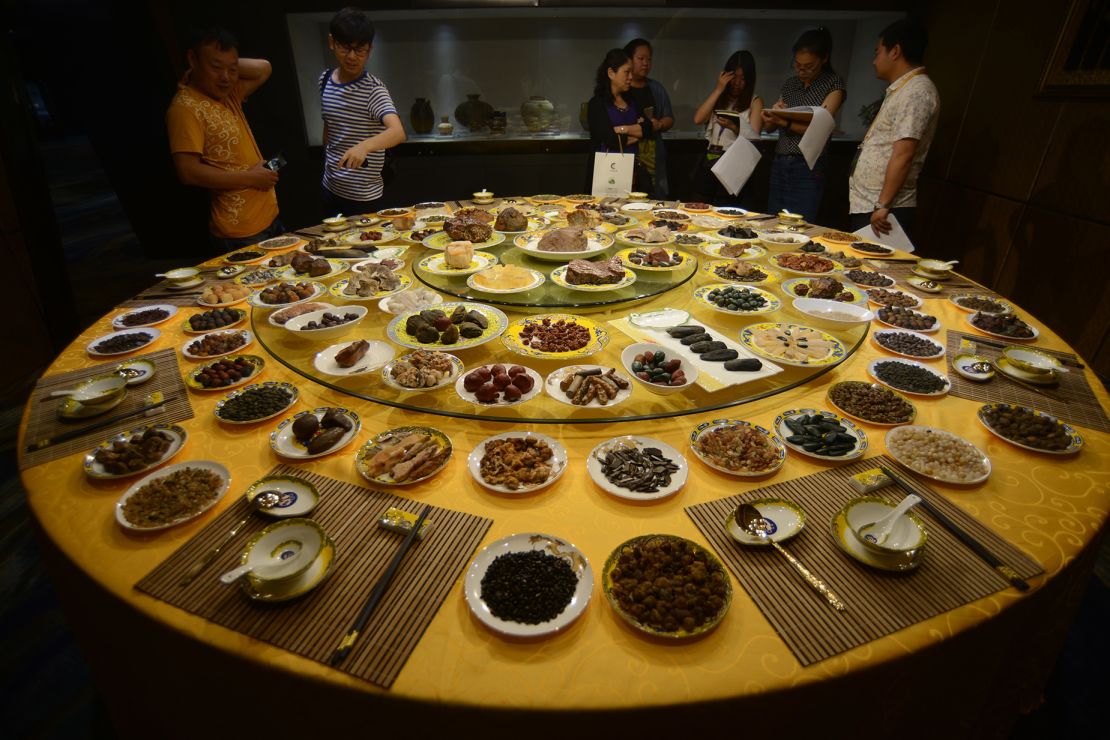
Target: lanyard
(890,94)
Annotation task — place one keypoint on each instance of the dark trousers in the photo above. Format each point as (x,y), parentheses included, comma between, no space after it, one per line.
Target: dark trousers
(223,245)
(333,204)
(795,187)
(905,217)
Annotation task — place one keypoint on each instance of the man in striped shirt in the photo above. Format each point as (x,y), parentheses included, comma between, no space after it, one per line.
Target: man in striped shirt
(360,120)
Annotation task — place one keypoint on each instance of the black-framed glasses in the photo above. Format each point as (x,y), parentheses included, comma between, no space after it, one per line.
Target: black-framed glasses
(358,51)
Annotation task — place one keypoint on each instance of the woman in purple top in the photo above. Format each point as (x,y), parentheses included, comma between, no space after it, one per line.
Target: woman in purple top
(616,125)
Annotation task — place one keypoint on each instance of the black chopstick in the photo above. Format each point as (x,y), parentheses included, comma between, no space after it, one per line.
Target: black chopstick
(74,433)
(351,637)
(1007,572)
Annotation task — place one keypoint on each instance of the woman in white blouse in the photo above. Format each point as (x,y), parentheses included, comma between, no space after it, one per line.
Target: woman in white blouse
(734,92)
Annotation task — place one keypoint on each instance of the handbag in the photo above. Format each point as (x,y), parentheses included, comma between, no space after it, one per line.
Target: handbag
(613,173)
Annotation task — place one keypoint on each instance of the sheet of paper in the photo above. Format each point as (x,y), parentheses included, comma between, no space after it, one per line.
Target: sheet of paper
(736,165)
(814,139)
(897,238)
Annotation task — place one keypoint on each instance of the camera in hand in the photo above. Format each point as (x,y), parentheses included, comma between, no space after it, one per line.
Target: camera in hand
(275,163)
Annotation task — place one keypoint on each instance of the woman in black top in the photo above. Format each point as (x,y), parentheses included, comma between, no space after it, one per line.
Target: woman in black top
(616,124)
(794,186)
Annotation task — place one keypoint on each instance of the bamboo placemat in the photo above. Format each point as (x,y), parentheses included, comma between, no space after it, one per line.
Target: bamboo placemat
(162,293)
(45,422)
(1071,399)
(314,624)
(878,602)
(901,270)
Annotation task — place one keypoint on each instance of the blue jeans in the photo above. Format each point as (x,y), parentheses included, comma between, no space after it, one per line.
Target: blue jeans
(795,187)
(223,245)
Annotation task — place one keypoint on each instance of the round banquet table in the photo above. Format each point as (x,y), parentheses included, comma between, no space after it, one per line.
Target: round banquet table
(967,672)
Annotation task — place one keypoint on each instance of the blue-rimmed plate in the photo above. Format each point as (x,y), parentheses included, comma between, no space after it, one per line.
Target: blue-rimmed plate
(1076,441)
(712,438)
(793,344)
(176,438)
(850,428)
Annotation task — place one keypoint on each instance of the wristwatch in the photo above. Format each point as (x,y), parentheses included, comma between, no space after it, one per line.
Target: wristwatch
(881,206)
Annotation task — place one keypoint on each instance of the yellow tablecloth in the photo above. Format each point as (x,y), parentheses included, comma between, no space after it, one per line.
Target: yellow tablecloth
(1052,507)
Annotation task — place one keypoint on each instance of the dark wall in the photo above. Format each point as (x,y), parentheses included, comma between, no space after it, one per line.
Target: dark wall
(1016,186)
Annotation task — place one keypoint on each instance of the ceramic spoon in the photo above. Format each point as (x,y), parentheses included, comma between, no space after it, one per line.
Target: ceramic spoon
(267,500)
(878,531)
(273,569)
(751,520)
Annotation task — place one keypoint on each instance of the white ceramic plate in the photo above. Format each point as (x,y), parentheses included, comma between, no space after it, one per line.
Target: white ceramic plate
(537,388)
(558,462)
(456,370)
(537,280)
(559,277)
(496,318)
(701,295)
(914,363)
(178,435)
(678,478)
(214,467)
(192,380)
(117,322)
(1076,439)
(886,332)
(248,340)
(373,447)
(339,286)
(297,497)
(706,427)
(935,327)
(318,289)
(287,273)
(377,355)
(432,298)
(785,517)
(472,586)
(555,378)
(293,395)
(917,302)
(296,325)
(1007,337)
(186,328)
(954,300)
(895,434)
(285,444)
(850,428)
(595,244)
(437,264)
(150,332)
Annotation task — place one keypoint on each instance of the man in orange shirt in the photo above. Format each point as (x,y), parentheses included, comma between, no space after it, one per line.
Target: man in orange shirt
(212,144)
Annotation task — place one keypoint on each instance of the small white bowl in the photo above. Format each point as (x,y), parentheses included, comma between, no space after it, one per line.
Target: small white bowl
(781,240)
(283,550)
(335,223)
(1032,361)
(99,390)
(907,535)
(182,274)
(296,324)
(629,355)
(833,314)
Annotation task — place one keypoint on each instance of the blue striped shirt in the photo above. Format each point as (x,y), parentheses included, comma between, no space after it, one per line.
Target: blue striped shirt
(353,111)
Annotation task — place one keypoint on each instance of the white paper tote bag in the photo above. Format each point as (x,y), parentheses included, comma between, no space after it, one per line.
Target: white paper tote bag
(612,174)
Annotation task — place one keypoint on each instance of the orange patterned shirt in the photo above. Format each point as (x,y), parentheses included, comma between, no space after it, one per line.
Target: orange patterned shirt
(219,133)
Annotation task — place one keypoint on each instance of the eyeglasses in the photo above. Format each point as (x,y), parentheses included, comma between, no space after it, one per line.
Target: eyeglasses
(808,68)
(358,51)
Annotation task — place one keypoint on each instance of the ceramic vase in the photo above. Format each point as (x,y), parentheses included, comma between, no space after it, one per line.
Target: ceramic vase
(537,112)
(474,114)
(445,128)
(422,117)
